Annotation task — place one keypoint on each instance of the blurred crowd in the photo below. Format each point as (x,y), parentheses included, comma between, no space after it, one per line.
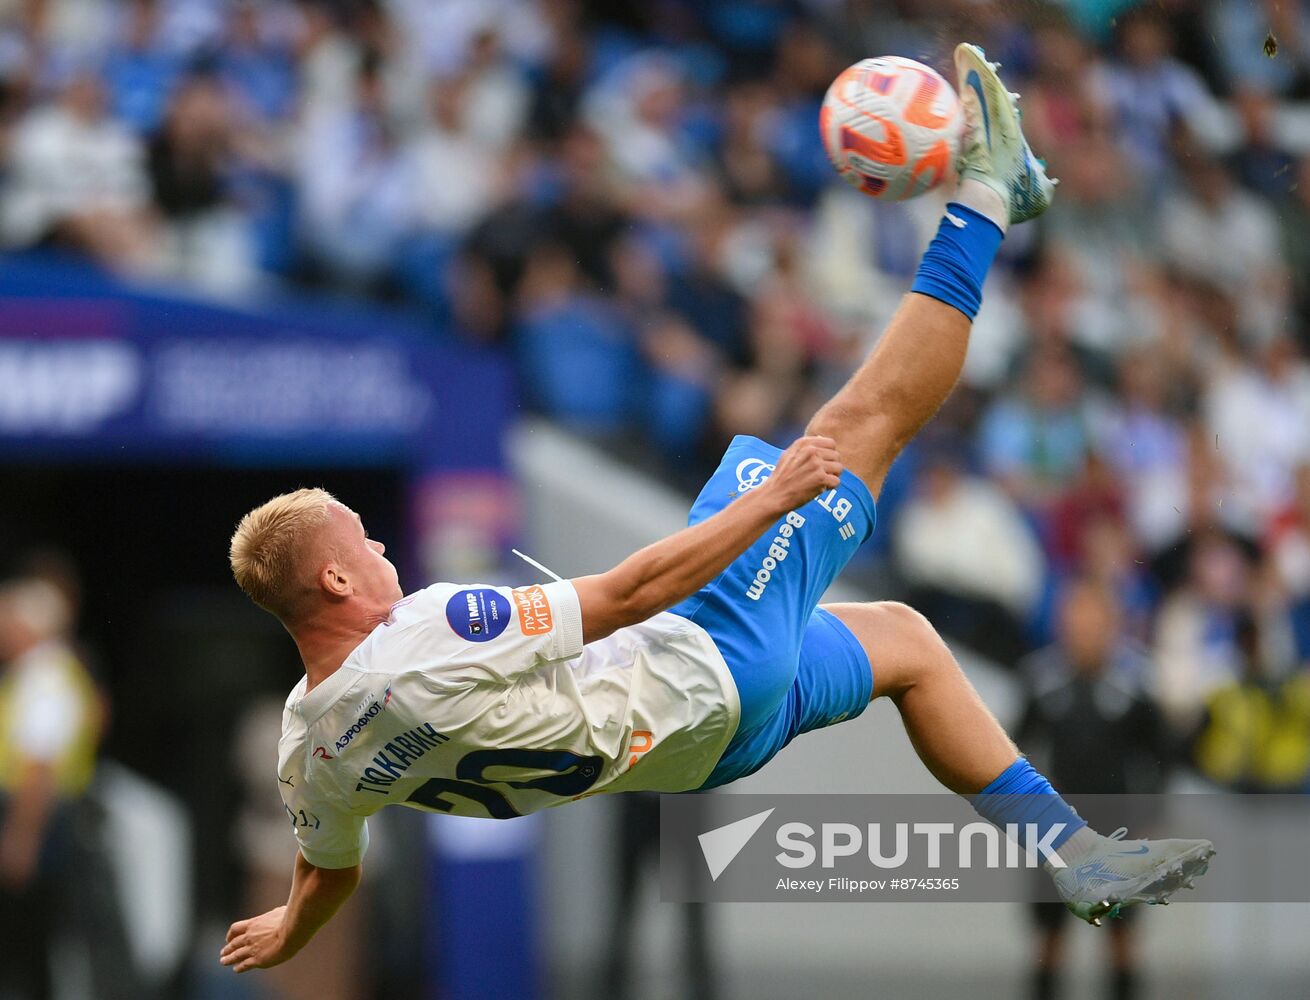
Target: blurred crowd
(632,201)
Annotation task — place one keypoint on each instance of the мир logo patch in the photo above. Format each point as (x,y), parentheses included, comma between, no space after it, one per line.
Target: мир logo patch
(477,615)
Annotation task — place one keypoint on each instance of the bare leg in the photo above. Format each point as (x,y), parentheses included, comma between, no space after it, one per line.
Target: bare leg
(953,732)
(898,388)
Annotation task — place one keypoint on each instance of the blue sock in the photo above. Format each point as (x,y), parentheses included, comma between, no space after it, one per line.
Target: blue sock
(956,261)
(1021,796)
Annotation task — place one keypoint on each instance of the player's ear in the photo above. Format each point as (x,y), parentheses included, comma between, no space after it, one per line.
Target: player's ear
(332,580)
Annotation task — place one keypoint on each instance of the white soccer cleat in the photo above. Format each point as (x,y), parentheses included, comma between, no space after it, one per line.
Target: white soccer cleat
(1121,873)
(994,150)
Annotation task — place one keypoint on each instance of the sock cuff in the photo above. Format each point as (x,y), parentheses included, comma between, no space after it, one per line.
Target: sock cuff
(1017,779)
(1021,794)
(971,214)
(956,262)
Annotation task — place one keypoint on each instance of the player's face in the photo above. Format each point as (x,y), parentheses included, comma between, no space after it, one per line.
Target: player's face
(371,572)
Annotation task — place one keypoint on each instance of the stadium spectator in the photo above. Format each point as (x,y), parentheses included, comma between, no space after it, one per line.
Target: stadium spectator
(256,62)
(582,356)
(1093,498)
(1148,451)
(1259,410)
(636,848)
(1213,231)
(1287,544)
(1088,715)
(1101,245)
(971,561)
(49,729)
(638,111)
(494,97)
(1255,736)
(1149,93)
(191,161)
(141,69)
(1035,441)
(1196,647)
(1294,217)
(76,179)
(458,171)
(357,189)
(1261,162)
(1061,104)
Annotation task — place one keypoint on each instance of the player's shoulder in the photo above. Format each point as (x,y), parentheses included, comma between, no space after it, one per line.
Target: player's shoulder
(434,600)
(294,698)
(449,613)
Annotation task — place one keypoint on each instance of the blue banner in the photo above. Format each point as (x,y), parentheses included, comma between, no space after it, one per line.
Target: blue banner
(91,367)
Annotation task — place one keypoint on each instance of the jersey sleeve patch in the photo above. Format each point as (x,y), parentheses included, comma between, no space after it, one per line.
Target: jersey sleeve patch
(535,616)
(477,615)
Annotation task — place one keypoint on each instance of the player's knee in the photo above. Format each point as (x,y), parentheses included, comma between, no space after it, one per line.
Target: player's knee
(906,647)
(909,626)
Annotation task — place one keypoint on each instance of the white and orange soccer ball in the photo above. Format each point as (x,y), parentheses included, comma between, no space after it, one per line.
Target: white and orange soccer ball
(892,127)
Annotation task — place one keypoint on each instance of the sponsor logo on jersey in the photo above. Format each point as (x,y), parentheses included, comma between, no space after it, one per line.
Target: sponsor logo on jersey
(397,756)
(366,715)
(534,611)
(477,615)
(642,740)
(322,754)
(778,550)
(752,472)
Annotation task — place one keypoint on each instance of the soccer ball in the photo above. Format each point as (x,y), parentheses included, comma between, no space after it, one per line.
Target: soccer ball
(892,127)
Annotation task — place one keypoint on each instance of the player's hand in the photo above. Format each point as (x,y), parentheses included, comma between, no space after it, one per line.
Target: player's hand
(257,943)
(807,468)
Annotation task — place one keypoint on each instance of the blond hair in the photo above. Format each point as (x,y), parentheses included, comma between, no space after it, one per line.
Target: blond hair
(269,546)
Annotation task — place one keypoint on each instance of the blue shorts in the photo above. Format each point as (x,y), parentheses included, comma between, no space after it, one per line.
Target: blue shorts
(796,667)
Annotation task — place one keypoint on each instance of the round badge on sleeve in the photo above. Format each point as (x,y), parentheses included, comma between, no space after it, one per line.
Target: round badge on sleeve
(477,615)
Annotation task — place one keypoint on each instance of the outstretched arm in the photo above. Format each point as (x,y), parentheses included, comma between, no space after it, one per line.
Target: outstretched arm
(273,937)
(671,570)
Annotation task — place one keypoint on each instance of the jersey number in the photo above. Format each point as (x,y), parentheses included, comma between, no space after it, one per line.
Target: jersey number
(572,774)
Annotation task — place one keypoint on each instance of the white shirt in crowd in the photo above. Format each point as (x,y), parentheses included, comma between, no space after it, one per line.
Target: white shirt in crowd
(973,541)
(61,164)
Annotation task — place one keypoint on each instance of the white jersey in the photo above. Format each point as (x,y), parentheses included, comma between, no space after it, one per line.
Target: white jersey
(483,701)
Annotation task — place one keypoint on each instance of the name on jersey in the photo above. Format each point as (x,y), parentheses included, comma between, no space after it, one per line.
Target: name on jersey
(477,615)
(778,550)
(397,756)
(534,611)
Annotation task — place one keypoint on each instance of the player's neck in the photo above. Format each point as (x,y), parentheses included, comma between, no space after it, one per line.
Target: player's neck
(326,641)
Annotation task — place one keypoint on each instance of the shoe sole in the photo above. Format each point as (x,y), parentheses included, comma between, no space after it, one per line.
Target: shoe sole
(1156,886)
(980,77)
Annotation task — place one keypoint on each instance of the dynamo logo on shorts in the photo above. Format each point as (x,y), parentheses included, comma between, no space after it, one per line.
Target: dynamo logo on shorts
(752,472)
(477,615)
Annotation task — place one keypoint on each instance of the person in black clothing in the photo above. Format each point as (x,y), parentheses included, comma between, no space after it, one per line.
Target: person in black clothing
(188,157)
(639,846)
(1088,714)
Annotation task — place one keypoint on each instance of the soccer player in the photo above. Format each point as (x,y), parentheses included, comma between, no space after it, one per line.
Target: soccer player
(692,662)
